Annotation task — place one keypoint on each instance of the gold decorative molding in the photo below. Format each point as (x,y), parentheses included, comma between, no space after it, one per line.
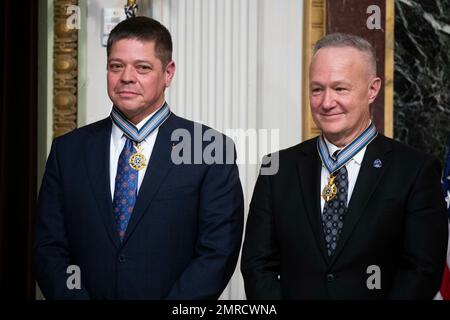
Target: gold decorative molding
(314,29)
(65,74)
(389,70)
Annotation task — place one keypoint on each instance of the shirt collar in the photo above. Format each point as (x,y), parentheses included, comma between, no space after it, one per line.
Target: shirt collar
(358,158)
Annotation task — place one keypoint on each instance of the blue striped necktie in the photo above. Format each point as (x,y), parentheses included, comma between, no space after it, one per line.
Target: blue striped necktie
(125,191)
(334,210)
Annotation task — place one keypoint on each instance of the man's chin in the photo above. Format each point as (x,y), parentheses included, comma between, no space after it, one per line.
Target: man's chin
(332,129)
(129,110)
(127,106)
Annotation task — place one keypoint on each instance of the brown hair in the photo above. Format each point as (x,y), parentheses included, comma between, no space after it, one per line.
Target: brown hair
(144,29)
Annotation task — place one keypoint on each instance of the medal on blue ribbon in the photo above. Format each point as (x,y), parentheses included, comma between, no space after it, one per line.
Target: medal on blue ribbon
(333,165)
(137,160)
(329,192)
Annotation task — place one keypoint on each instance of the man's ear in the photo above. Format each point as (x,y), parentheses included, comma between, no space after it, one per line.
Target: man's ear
(374,88)
(170,73)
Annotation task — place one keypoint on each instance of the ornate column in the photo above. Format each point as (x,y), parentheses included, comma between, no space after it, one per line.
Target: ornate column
(65,54)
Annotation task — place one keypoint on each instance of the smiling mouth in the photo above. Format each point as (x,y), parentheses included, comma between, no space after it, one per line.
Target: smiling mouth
(331,115)
(127,93)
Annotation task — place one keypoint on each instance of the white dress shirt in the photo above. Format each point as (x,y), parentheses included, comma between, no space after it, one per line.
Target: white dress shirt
(352,166)
(118,142)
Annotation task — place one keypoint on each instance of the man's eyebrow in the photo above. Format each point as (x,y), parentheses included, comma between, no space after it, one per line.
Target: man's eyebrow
(114,59)
(135,61)
(333,83)
(142,61)
(344,82)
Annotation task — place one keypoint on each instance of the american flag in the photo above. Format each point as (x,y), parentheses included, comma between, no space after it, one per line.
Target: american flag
(444,292)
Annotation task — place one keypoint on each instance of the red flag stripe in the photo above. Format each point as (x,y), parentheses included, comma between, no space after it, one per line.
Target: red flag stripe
(445,287)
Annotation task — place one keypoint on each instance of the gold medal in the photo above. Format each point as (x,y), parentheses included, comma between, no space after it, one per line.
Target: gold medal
(330,190)
(137,160)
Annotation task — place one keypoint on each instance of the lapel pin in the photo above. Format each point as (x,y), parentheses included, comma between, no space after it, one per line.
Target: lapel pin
(377,163)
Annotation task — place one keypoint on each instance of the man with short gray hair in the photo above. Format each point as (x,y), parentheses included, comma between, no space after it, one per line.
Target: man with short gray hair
(350,214)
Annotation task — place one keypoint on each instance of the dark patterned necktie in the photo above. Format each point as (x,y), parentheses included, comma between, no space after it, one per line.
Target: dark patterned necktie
(334,211)
(125,191)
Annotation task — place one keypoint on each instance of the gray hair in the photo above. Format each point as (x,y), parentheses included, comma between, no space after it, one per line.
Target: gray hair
(340,40)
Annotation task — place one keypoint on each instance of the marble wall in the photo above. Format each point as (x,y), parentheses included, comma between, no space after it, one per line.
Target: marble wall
(422,75)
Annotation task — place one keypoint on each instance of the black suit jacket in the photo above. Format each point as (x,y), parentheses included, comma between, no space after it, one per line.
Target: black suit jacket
(396,220)
(183,238)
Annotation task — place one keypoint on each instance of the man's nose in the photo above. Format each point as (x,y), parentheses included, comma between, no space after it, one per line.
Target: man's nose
(329,100)
(128,75)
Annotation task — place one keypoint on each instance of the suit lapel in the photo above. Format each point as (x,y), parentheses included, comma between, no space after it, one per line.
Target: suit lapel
(367,181)
(309,170)
(98,173)
(157,169)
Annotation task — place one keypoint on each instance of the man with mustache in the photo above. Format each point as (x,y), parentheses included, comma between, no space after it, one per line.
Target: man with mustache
(350,214)
(114,204)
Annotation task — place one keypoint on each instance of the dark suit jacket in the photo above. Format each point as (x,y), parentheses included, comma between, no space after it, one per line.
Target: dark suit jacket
(396,220)
(183,238)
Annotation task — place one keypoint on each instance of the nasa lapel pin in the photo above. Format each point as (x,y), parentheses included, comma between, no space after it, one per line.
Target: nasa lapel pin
(377,163)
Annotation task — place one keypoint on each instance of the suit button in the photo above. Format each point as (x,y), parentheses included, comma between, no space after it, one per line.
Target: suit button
(330,277)
(121,258)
